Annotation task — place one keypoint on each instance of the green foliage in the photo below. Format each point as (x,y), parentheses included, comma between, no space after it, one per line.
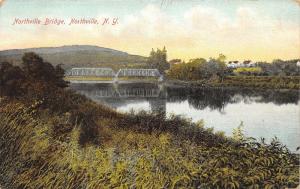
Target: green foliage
(42,147)
(11,79)
(280,68)
(213,73)
(244,82)
(199,69)
(51,137)
(264,82)
(158,60)
(35,75)
(238,134)
(36,69)
(248,71)
(187,71)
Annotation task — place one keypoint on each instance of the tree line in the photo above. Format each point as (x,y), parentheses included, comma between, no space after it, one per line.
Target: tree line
(203,69)
(199,69)
(280,67)
(34,73)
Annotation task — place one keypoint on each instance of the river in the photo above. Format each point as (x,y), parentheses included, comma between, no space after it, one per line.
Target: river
(263,113)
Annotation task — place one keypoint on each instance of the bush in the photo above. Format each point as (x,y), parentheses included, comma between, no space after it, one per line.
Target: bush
(247,71)
(132,157)
(34,75)
(11,79)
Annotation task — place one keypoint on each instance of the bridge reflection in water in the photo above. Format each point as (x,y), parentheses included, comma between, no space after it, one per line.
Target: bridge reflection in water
(120,95)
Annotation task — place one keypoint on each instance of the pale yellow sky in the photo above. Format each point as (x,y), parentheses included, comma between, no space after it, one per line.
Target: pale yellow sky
(256,30)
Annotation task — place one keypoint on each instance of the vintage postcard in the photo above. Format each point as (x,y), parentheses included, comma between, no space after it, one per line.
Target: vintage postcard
(156,94)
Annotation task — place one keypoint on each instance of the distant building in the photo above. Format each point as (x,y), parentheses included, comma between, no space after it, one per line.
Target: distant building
(249,63)
(298,63)
(246,63)
(233,64)
(238,64)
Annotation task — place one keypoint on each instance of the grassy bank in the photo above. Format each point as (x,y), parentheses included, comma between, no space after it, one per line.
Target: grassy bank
(63,140)
(257,82)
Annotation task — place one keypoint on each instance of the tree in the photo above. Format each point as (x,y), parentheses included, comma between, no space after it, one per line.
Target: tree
(280,68)
(175,61)
(216,67)
(199,69)
(35,75)
(193,70)
(60,74)
(158,60)
(221,58)
(37,69)
(32,65)
(11,79)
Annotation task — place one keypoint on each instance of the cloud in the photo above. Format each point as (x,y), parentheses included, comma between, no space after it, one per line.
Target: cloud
(205,18)
(150,22)
(1,2)
(200,31)
(207,31)
(297,1)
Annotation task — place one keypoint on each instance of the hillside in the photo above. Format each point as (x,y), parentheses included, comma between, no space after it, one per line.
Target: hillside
(78,56)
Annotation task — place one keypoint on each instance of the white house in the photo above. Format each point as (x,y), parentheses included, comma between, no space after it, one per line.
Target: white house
(252,64)
(238,64)
(249,63)
(233,64)
(298,63)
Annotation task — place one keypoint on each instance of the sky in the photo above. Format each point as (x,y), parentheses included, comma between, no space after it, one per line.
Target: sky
(259,30)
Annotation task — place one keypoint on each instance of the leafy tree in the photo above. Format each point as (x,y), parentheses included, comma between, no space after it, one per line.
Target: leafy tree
(158,60)
(11,79)
(37,69)
(199,69)
(280,68)
(221,58)
(32,65)
(60,73)
(176,60)
(35,75)
(216,67)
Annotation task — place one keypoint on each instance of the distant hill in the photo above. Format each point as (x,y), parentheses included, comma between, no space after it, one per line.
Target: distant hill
(78,56)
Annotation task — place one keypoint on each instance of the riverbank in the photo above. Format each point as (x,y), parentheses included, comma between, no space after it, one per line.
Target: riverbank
(251,82)
(58,139)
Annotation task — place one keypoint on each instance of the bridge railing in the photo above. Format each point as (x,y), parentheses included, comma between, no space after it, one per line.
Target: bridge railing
(97,72)
(138,73)
(108,72)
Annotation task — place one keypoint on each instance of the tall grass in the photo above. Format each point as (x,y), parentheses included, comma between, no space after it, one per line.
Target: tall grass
(43,149)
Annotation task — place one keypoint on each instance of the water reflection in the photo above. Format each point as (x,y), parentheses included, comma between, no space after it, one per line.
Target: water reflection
(265,113)
(120,95)
(199,98)
(217,99)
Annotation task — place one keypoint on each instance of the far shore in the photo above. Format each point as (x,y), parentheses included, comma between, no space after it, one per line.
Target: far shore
(257,83)
(197,84)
